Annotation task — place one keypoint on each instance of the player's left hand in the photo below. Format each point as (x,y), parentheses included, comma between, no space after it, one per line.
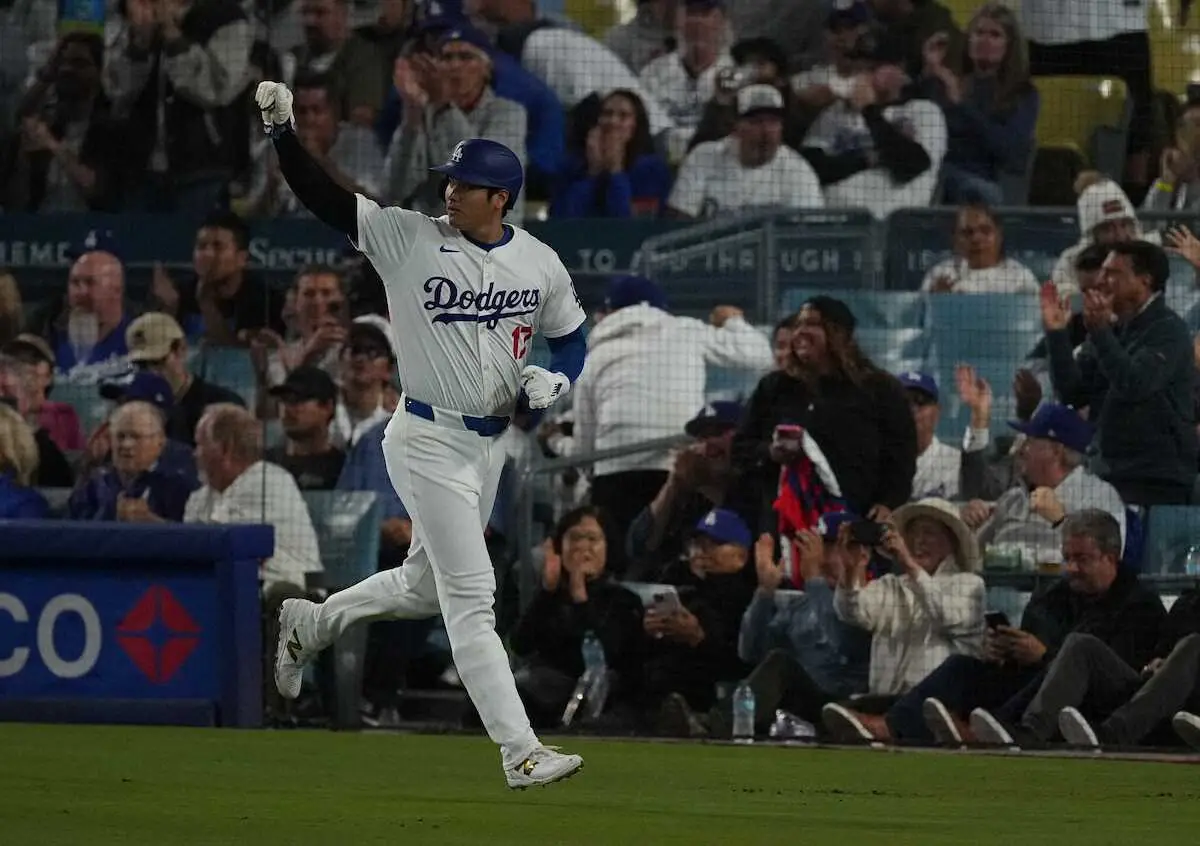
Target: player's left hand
(543,387)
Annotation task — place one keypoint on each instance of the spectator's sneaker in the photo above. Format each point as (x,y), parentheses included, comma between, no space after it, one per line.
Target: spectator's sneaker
(947,728)
(295,647)
(1187,726)
(990,731)
(1077,730)
(846,726)
(545,765)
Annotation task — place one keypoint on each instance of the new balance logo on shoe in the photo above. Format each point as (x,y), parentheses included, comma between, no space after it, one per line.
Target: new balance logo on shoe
(293,646)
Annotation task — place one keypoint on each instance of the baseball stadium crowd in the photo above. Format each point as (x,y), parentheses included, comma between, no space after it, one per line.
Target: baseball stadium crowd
(814,537)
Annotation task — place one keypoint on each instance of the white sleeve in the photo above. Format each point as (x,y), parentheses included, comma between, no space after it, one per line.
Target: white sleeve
(1027,281)
(736,344)
(807,189)
(687,195)
(942,268)
(387,235)
(562,313)
(930,127)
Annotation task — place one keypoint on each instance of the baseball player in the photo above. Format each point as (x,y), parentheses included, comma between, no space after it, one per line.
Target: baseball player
(466,294)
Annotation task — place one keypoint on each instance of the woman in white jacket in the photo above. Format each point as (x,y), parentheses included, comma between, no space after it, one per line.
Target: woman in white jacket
(932,608)
(645,378)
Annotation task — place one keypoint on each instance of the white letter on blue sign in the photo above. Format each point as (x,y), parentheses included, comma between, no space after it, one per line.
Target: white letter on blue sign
(62,604)
(15,662)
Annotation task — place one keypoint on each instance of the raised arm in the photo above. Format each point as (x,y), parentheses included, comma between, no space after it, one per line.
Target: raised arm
(329,202)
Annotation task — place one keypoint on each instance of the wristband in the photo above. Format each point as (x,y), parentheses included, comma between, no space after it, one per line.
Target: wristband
(1164,186)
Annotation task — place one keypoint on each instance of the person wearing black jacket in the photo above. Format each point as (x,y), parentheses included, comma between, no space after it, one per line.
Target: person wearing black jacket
(692,647)
(1088,680)
(1142,367)
(857,414)
(577,596)
(1094,597)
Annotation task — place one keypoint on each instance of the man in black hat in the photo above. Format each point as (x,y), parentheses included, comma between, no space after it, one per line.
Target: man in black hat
(307,399)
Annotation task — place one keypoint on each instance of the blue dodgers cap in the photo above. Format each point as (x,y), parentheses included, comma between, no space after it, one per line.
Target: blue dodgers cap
(633,290)
(716,418)
(724,526)
(142,385)
(830,524)
(467,34)
(96,241)
(848,13)
(923,382)
(1059,423)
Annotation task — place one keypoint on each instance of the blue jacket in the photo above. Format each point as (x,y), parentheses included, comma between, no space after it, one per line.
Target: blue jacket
(165,492)
(578,194)
(981,141)
(546,130)
(18,502)
(835,654)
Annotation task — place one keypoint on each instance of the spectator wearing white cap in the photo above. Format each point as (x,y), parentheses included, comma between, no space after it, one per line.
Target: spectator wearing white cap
(1106,217)
(938,463)
(686,78)
(872,148)
(748,169)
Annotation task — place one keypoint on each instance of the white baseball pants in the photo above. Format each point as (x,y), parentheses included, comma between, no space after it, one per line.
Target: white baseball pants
(447,479)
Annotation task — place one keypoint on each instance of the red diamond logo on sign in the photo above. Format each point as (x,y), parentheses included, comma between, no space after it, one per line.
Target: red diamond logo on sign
(158,634)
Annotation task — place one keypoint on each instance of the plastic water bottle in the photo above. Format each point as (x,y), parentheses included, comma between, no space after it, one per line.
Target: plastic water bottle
(595,672)
(1191,564)
(743,713)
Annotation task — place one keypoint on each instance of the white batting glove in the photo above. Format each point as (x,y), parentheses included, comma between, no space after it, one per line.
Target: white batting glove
(275,102)
(543,387)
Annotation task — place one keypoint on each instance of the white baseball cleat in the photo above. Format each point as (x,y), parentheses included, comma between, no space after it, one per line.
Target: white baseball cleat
(545,765)
(295,647)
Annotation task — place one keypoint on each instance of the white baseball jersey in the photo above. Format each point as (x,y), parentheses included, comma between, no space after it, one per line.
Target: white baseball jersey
(463,316)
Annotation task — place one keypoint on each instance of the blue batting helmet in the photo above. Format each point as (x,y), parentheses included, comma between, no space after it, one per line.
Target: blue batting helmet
(478,161)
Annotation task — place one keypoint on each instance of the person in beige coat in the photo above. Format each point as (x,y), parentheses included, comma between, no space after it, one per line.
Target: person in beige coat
(930,607)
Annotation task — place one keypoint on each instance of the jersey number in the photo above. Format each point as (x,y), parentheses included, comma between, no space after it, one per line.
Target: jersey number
(520,337)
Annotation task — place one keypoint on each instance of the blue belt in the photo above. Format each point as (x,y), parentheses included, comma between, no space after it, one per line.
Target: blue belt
(485,427)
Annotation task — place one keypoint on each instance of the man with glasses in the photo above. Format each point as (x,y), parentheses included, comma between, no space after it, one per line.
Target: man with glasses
(938,464)
(157,344)
(365,367)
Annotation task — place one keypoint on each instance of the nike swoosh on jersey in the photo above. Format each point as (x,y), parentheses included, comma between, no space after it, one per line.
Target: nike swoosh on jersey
(445,249)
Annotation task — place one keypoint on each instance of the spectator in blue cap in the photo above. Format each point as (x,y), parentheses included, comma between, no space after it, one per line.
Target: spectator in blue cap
(804,655)
(448,97)
(692,645)
(938,464)
(1054,482)
(698,481)
(646,375)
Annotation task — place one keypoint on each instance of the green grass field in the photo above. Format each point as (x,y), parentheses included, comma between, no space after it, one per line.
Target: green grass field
(168,787)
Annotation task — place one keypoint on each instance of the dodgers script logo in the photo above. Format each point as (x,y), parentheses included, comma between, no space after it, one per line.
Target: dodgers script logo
(489,306)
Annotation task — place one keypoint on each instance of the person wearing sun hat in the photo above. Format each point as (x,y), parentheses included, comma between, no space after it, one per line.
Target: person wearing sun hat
(929,608)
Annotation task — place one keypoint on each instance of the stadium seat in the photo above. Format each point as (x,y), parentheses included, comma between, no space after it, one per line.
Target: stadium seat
(1089,115)
(347,524)
(229,367)
(1170,531)
(85,398)
(1175,60)
(994,327)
